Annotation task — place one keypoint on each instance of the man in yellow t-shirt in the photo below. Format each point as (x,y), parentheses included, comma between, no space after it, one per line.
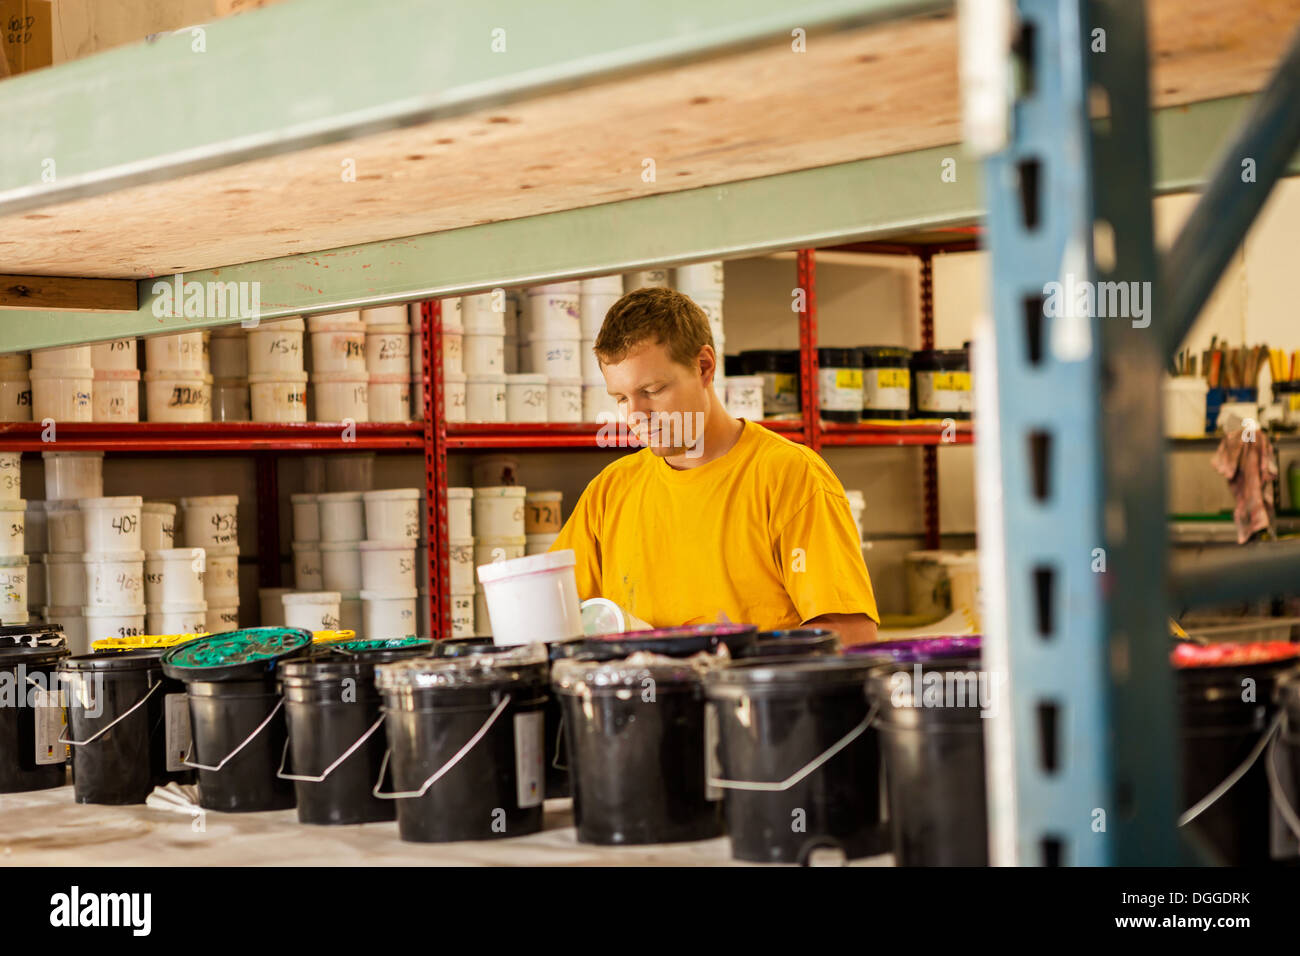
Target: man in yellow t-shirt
(718,518)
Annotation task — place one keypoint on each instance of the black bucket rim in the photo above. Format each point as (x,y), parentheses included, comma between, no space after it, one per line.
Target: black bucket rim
(680,642)
(579,676)
(11,657)
(455,644)
(325,663)
(520,664)
(880,694)
(786,674)
(137,659)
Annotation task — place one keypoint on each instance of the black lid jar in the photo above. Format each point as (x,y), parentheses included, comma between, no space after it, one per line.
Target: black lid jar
(886,382)
(941,386)
(839,384)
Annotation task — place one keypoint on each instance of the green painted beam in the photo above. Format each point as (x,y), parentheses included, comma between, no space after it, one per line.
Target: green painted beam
(309,72)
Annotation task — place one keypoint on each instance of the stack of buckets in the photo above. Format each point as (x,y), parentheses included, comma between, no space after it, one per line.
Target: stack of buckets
(340,379)
(453,366)
(388,363)
(117,381)
(175,601)
(596,297)
(15,387)
(550,346)
(460,550)
(69,477)
(483,357)
(114,564)
(277,383)
(177,385)
(14,558)
(228,361)
(342,530)
(62,383)
(211,525)
(388,563)
(306,543)
(498,536)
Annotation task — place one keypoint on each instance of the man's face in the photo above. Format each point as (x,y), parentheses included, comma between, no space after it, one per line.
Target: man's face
(663,402)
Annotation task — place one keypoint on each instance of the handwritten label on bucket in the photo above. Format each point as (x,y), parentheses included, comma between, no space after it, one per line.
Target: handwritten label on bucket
(176,717)
(529,754)
(50,720)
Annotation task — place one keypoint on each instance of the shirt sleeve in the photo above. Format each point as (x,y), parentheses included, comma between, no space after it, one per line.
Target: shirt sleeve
(581,533)
(820,556)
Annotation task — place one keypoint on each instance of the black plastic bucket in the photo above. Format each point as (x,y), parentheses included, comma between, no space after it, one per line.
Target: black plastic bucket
(635,732)
(332,710)
(117,726)
(799,761)
(683,641)
(28,658)
(795,642)
(1225,697)
(466,744)
(933,761)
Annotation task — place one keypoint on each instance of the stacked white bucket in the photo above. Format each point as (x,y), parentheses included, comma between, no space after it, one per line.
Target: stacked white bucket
(174,578)
(211,524)
(596,298)
(342,530)
(69,476)
(177,385)
(116,387)
(15,559)
(483,356)
(498,536)
(113,561)
(460,552)
(62,382)
(277,382)
(388,362)
(389,565)
(308,605)
(228,363)
(340,379)
(549,386)
(15,387)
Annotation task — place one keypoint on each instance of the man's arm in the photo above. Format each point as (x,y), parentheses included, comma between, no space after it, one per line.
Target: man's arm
(850,628)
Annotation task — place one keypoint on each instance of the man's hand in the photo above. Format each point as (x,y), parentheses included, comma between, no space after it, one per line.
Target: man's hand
(850,628)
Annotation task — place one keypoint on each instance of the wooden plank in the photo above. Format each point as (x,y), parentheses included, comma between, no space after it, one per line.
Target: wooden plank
(61,293)
(853,95)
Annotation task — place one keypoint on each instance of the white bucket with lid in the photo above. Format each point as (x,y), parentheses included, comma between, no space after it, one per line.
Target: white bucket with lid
(271,605)
(483,354)
(485,398)
(211,521)
(13,589)
(533,598)
(460,510)
(341,396)
(462,613)
(221,575)
(306,517)
(542,511)
(386,614)
(489,550)
(342,517)
(112,524)
(340,565)
(114,578)
(312,610)
(552,313)
(114,354)
(341,349)
(15,395)
(182,351)
(65,580)
(499,511)
(228,354)
(592,309)
(122,621)
(177,618)
(460,558)
(453,341)
(222,618)
(454,397)
(63,394)
(1185,397)
(597,404)
(385,315)
(539,543)
(174,576)
(306,566)
(178,395)
(388,350)
(32,537)
(700,278)
(555,358)
(230,400)
(275,347)
(744,397)
(591,373)
(387,565)
(526,398)
(73,474)
(564,399)
(157,525)
(392,514)
(278,396)
(65,357)
(116,395)
(11,476)
(485,313)
(390,398)
(65,529)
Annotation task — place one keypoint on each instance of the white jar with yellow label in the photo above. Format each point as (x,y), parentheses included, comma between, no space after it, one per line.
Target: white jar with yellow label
(943,388)
(839,384)
(886,383)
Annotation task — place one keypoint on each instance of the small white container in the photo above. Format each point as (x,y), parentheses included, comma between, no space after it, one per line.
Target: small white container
(307,566)
(564,400)
(591,372)
(342,517)
(230,400)
(65,579)
(388,350)
(552,312)
(484,314)
(278,396)
(116,354)
(211,521)
(454,396)
(460,554)
(341,396)
(182,351)
(177,618)
(534,598)
(306,517)
(312,610)
(542,512)
(700,279)
(462,613)
(73,474)
(13,589)
(453,341)
(485,398)
(112,524)
(63,394)
(222,618)
(555,358)
(539,543)
(116,395)
(745,397)
(174,576)
(387,565)
(393,514)
(34,535)
(221,575)
(597,404)
(73,623)
(339,350)
(592,309)
(385,315)
(275,347)
(494,549)
(178,396)
(157,525)
(11,476)
(645,279)
(271,605)
(65,529)
(122,621)
(228,354)
(526,398)
(387,614)
(67,357)
(114,578)
(460,510)
(499,511)
(483,354)
(390,398)
(1185,406)
(340,565)
(15,395)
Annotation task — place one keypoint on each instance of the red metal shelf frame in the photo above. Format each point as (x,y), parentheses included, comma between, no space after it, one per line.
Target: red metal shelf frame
(240,437)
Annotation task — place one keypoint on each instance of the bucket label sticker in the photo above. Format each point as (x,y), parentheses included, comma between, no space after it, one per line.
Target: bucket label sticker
(712,765)
(887,390)
(530,752)
(176,717)
(943,392)
(50,721)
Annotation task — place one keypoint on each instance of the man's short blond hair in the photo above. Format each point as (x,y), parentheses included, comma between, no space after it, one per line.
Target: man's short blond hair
(663,316)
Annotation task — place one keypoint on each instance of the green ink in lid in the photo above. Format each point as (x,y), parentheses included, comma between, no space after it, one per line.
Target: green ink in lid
(234,655)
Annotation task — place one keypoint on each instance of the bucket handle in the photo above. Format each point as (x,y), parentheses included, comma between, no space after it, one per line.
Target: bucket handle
(1231,779)
(247,740)
(807,768)
(112,723)
(331,768)
(455,758)
(1279,794)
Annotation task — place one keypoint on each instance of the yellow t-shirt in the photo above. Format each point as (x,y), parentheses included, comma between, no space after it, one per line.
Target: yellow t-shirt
(763,533)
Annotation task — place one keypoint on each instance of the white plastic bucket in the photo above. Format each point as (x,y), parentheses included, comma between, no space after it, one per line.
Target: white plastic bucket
(552,314)
(116,395)
(115,354)
(178,396)
(462,613)
(479,315)
(564,400)
(499,511)
(744,397)
(174,576)
(387,565)
(65,530)
(489,550)
(645,279)
(13,589)
(334,321)
(485,398)
(73,474)
(221,575)
(271,605)
(306,566)
(211,521)
(355,472)
(275,347)
(177,618)
(700,279)
(483,354)
(539,543)
(460,510)
(591,372)
(555,358)
(306,517)
(102,622)
(15,396)
(597,404)
(112,524)
(526,398)
(157,525)
(182,351)
(393,514)
(534,598)
(1185,406)
(460,555)
(73,622)
(453,341)
(114,579)
(592,309)
(65,579)
(339,350)
(67,357)
(390,398)
(228,354)
(542,512)
(712,309)
(388,614)
(342,517)
(312,610)
(63,394)
(341,396)
(278,396)
(454,398)
(222,618)
(230,400)
(11,476)
(388,350)
(340,565)
(385,315)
